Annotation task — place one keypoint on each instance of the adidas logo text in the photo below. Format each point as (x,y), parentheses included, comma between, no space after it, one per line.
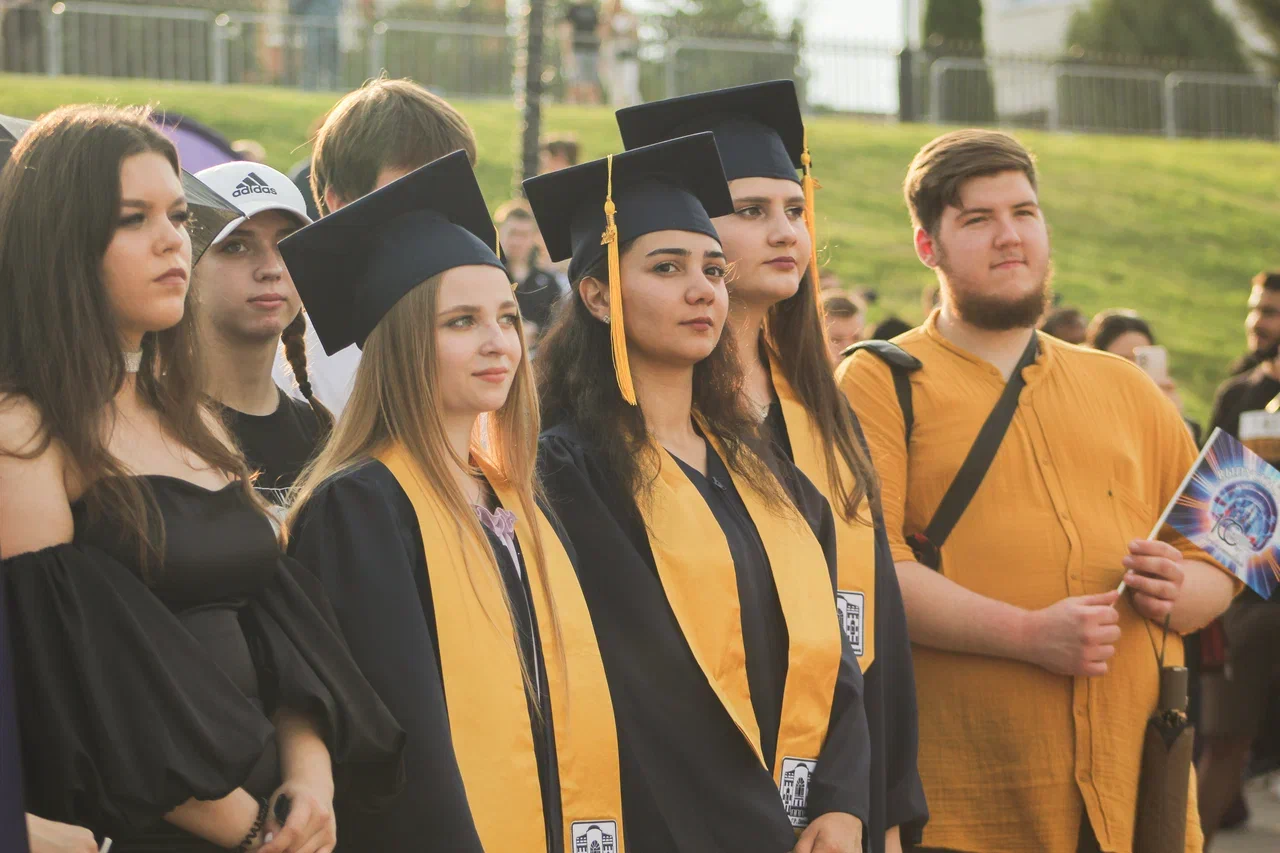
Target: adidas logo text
(253,185)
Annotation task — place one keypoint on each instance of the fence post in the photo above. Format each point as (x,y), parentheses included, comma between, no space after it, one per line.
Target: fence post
(1055,103)
(1171,105)
(218,48)
(1275,110)
(53,39)
(936,70)
(377,48)
(673,54)
(906,86)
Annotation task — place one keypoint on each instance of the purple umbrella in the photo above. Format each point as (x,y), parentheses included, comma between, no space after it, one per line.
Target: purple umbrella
(199,146)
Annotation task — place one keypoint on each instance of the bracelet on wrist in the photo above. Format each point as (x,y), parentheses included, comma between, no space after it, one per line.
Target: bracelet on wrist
(247,843)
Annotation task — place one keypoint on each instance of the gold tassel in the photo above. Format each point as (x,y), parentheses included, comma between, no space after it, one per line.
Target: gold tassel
(617,330)
(810,186)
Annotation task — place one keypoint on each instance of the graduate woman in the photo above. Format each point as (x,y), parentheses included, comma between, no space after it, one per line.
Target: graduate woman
(455,593)
(174,672)
(775,318)
(738,699)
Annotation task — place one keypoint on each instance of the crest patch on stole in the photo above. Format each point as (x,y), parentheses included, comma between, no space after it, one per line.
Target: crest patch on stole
(849,606)
(796,773)
(594,836)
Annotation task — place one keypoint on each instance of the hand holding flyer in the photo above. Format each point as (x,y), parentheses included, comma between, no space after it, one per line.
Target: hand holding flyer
(1229,506)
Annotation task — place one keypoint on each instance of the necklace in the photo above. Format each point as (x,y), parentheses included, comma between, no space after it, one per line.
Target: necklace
(132,361)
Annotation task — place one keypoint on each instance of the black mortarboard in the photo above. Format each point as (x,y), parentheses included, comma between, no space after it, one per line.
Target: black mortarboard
(758,127)
(586,212)
(672,186)
(352,266)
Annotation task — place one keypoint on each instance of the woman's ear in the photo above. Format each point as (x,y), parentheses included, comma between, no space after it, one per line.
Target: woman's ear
(595,295)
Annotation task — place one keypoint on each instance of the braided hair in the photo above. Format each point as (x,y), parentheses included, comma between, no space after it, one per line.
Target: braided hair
(295,352)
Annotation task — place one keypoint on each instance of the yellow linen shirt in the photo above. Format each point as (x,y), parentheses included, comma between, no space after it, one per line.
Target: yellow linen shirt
(1011,754)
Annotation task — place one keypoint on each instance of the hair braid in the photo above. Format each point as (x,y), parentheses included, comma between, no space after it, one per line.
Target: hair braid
(295,352)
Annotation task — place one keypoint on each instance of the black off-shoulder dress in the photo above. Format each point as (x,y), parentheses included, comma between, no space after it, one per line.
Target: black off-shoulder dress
(135,696)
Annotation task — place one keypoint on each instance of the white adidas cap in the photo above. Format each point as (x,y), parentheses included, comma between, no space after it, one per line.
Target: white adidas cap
(254,187)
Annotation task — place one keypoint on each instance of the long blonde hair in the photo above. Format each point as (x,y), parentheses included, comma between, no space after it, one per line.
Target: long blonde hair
(395,400)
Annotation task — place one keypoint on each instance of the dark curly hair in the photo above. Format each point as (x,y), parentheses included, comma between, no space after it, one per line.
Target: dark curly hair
(576,384)
(1105,327)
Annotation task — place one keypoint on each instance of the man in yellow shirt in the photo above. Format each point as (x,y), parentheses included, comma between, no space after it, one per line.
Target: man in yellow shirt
(1035,677)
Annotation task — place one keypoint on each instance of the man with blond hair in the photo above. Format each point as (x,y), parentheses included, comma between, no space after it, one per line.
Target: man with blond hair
(374,135)
(1035,676)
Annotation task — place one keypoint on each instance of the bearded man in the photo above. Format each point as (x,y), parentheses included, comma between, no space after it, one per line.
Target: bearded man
(1235,698)
(1035,677)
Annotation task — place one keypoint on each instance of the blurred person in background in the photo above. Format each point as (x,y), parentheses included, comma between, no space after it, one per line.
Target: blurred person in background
(250,149)
(1119,331)
(828,279)
(319,30)
(580,52)
(620,31)
(845,320)
(1235,694)
(21,34)
(930,298)
(1255,381)
(1066,324)
(1122,332)
(537,289)
(889,328)
(558,152)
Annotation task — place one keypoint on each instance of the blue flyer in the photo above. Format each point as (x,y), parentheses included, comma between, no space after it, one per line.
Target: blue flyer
(1229,505)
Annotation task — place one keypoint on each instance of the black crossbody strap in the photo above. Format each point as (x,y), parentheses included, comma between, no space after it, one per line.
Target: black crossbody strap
(901,365)
(928,546)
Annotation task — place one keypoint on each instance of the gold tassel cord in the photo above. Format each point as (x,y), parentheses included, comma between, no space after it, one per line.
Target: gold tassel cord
(617,329)
(810,187)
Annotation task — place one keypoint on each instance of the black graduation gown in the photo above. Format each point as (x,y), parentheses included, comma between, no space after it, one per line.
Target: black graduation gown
(690,781)
(13,828)
(134,697)
(359,532)
(889,690)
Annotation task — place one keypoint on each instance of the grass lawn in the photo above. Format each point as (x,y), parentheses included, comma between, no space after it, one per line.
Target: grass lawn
(1173,230)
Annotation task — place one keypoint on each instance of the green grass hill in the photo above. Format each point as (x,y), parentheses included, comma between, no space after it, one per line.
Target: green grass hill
(1173,230)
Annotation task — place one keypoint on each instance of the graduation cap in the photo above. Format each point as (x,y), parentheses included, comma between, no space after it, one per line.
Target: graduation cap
(352,266)
(758,128)
(586,212)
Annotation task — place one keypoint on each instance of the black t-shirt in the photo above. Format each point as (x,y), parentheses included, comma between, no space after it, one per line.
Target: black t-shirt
(1247,392)
(277,445)
(585,20)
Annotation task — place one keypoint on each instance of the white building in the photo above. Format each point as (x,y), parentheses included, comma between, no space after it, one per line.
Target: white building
(1040,26)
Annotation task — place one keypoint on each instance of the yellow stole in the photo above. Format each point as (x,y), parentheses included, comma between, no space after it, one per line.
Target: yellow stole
(488,710)
(697,574)
(855,543)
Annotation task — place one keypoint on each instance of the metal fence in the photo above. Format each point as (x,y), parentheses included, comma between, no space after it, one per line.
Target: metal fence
(1072,96)
(476,60)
